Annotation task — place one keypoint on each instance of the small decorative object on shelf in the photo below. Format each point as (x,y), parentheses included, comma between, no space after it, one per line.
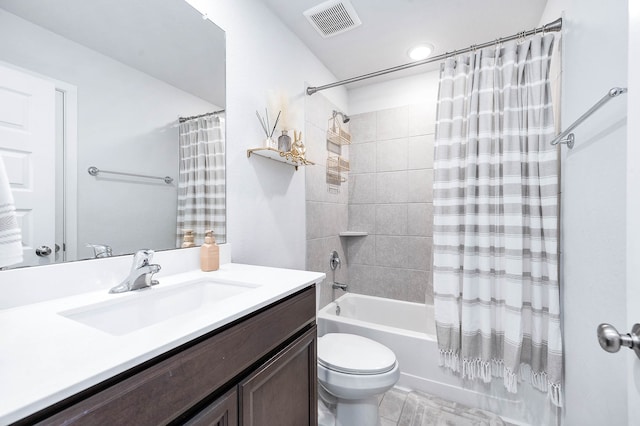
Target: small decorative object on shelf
(284,142)
(268,130)
(298,150)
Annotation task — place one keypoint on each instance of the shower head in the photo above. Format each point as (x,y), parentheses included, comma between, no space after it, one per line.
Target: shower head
(345,117)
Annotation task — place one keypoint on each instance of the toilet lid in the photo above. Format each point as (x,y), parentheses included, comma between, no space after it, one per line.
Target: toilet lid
(352,354)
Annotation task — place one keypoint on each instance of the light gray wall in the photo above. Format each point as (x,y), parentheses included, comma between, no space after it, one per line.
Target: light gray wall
(390,197)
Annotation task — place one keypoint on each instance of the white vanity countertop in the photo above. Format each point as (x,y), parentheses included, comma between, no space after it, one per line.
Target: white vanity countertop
(45,357)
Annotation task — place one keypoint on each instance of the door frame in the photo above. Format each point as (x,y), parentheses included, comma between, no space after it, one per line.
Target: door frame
(633,205)
(70,95)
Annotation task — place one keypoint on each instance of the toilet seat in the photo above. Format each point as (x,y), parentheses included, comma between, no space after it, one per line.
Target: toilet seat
(352,354)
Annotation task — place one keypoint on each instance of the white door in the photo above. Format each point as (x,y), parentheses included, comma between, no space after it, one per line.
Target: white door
(27,146)
(633,208)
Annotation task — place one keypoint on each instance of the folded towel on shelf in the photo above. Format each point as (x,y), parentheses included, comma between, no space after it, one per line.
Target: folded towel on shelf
(10,235)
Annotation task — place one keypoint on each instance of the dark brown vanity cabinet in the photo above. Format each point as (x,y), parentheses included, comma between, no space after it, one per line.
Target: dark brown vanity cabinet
(258,371)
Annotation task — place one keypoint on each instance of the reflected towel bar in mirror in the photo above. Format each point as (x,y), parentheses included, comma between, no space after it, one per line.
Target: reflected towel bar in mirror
(94,171)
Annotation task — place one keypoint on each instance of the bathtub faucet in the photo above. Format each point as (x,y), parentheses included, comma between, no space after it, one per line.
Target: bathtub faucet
(340,286)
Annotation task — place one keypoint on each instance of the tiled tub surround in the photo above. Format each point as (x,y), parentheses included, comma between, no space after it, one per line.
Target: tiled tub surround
(390,197)
(326,211)
(63,357)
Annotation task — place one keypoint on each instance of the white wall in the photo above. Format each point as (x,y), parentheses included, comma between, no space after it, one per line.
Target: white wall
(126,122)
(594,207)
(633,204)
(266,200)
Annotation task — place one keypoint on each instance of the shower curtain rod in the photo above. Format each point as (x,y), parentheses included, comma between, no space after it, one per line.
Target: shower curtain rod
(183,119)
(552,26)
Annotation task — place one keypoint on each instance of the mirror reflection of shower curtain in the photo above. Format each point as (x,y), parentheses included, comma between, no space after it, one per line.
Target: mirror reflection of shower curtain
(201,187)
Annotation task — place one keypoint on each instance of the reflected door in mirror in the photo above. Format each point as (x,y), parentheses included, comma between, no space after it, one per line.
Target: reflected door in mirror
(27,138)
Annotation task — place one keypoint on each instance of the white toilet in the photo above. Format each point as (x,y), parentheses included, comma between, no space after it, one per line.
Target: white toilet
(355,370)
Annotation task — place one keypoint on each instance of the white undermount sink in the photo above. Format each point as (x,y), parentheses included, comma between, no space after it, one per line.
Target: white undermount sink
(146,307)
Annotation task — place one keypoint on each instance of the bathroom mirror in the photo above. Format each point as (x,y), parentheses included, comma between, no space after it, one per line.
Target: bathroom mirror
(123,73)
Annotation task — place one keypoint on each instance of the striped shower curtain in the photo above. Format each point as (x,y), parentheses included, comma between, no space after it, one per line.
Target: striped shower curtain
(495,272)
(201,190)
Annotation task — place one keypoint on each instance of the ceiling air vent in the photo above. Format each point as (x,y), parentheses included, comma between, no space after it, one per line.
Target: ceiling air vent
(333,17)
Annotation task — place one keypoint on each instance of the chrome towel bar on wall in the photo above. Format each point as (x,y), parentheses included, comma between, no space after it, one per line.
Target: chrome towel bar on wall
(94,171)
(567,137)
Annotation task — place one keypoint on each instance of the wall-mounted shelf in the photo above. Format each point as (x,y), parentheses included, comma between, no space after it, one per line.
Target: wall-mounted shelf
(280,156)
(353,234)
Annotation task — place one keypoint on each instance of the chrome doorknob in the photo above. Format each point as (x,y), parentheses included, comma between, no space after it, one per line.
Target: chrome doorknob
(43,251)
(611,341)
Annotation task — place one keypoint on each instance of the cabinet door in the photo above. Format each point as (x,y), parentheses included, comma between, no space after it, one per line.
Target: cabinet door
(222,412)
(283,392)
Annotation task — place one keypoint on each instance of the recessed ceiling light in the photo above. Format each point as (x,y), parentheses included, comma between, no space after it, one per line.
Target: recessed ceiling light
(420,51)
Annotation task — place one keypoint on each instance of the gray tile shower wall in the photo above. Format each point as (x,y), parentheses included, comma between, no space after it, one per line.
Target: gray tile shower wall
(326,210)
(391,197)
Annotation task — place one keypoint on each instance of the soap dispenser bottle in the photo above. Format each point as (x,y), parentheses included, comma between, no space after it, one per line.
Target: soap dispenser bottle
(209,253)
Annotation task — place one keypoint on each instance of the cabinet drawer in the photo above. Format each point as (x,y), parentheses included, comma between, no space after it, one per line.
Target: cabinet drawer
(163,391)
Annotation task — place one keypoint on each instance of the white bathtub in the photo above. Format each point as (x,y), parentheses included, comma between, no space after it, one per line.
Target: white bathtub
(408,329)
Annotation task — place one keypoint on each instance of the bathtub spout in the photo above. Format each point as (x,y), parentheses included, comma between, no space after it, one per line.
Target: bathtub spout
(337,285)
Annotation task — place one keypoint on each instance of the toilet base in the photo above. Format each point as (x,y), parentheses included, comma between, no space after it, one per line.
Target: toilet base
(326,416)
(357,412)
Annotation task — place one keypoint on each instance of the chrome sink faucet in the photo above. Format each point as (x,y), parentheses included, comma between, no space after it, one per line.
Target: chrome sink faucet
(141,274)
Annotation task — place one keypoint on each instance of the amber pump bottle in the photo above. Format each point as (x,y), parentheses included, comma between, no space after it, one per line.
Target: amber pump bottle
(209,253)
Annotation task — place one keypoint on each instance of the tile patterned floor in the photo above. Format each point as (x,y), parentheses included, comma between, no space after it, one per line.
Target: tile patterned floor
(398,408)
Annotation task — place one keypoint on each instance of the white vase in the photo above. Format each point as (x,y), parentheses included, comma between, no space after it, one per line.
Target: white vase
(270,143)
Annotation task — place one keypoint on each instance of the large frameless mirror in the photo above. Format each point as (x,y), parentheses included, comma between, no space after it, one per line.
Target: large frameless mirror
(91,97)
